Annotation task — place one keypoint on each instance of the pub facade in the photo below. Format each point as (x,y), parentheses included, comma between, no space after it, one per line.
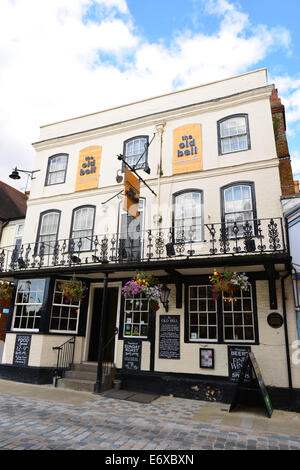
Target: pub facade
(208,201)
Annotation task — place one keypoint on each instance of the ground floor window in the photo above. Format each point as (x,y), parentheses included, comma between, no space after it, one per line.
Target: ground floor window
(28,304)
(223,320)
(202,313)
(64,315)
(238,318)
(136,317)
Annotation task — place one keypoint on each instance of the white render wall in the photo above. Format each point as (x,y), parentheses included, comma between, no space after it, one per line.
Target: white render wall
(259,164)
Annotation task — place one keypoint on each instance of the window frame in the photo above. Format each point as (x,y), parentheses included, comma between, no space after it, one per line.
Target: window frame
(204,281)
(253,196)
(179,193)
(145,165)
(78,306)
(227,118)
(48,168)
(93,226)
(138,298)
(41,304)
(42,214)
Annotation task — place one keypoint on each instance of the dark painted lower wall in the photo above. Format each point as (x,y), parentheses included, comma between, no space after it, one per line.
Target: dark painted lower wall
(207,388)
(27,374)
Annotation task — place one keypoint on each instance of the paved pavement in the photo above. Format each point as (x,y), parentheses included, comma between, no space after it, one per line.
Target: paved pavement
(34,417)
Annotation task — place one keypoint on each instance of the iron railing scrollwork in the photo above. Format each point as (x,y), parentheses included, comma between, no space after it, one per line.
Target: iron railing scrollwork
(259,236)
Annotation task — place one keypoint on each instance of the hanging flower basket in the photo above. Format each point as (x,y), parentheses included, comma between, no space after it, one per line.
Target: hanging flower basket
(73,290)
(5,291)
(144,284)
(229,283)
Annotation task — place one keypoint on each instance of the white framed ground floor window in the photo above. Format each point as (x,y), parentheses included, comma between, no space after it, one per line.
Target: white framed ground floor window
(64,314)
(225,320)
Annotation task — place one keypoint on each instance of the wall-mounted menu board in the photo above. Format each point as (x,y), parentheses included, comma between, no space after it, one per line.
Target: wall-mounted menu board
(132,354)
(22,348)
(236,356)
(169,337)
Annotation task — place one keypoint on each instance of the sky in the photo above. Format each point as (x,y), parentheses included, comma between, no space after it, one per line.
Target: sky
(64,58)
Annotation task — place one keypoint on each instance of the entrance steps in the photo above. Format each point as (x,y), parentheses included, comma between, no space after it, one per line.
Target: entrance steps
(82,377)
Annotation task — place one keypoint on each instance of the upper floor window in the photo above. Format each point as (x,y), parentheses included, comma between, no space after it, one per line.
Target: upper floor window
(238,202)
(187,215)
(18,236)
(136,152)
(233,133)
(48,230)
(57,168)
(82,229)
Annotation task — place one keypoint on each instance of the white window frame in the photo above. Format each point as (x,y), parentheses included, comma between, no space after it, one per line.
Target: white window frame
(177,219)
(132,157)
(47,243)
(137,298)
(66,305)
(50,172)
(236,134)
(199,312)
(26,304)
(241,296)
(89,232)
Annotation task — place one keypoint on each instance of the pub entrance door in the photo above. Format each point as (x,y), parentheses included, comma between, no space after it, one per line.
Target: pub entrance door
(108,327)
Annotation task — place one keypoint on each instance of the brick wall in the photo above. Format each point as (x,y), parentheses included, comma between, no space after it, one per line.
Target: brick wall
(285,168)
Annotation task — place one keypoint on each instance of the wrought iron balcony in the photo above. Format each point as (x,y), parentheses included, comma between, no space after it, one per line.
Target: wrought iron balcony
(259,236)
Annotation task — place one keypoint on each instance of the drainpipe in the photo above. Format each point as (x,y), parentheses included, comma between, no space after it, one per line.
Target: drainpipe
(160,131)
(288,359)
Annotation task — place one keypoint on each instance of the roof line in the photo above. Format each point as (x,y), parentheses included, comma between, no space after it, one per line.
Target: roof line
(148,115)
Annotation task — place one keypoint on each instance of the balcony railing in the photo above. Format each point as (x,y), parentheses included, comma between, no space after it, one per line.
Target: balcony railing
(259,236)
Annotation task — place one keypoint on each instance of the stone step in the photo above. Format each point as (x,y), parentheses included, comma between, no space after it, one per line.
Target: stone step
(86,367)
(78,385)
(80,375)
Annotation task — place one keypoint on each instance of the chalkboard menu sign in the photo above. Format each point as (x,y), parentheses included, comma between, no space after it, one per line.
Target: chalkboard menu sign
(251,361)
(22,348)
(132,354)
(169,337)
(236,357)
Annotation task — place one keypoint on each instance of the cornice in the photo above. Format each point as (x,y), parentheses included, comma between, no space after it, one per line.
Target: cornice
(154,119)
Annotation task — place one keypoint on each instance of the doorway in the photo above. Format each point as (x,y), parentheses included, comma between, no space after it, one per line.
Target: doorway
(108,327)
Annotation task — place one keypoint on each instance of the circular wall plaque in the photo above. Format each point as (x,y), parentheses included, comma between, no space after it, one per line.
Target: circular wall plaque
(275,320)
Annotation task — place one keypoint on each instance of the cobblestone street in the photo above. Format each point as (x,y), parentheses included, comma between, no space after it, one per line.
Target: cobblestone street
(44,418)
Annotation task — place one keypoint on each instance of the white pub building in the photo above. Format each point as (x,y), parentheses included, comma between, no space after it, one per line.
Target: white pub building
(209,200)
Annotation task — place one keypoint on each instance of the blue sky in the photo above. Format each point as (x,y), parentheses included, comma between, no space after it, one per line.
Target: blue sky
(63,58)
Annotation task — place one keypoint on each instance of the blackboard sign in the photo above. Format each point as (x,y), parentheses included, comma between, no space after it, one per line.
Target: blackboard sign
(236,357)
(252,362)
(132,354)
(22,347)
(169,337)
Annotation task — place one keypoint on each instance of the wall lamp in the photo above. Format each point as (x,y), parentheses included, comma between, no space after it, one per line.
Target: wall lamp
(119,178)
(15,173)
(164,296)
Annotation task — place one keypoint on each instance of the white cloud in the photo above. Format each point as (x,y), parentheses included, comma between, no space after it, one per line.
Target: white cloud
(54,62)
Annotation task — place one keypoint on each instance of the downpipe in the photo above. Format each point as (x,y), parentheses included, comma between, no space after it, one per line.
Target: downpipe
(288,359)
